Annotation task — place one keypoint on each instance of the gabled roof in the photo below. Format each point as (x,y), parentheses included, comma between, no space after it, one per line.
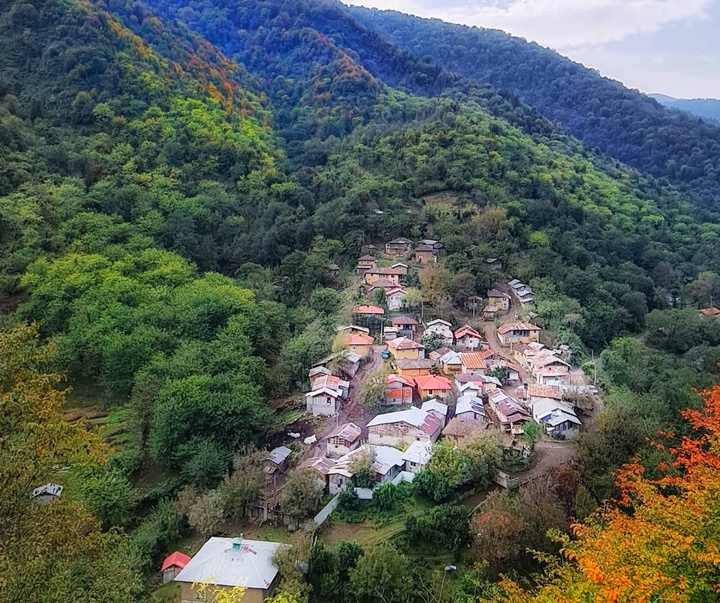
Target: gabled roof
(419,452)
(424,248)
(176,559)
(439,321)
(279,454)
(403,343)
(515,283)
(544,391)
(360,339)
(399,379)
(321,464)
(403,320)
(423,420)
(517,326)
(384,459)
(368,310)
(353,328)
(318,370)
(469,404)
(433,383)
(394,291)
(552,371)
(386,272)
(451,357)
(408,365)
(232,562)
(330,382)
(349,432)
(467,330)
(399,241)
(473,360)
(461,427)
(367,258)
(399,264)
(435,406)
(382,283)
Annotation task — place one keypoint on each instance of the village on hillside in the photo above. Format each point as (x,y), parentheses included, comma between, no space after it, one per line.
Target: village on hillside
(400,381)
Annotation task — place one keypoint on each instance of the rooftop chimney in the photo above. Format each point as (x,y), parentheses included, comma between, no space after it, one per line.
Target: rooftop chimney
(237,543)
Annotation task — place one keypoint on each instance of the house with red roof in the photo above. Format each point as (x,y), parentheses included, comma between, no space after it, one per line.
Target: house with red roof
(433,386)
(468,338)
(360,344)
(712,311)
(172,566)
(368,311)
(365,263)
(395,298)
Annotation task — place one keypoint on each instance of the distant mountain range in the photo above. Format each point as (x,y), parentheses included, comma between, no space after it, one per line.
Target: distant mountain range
(707,108)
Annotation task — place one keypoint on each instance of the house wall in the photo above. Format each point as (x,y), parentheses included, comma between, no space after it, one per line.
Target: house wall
(452,369)
(424,257)
(414,467)
(361,350)
(501,303)
(389,476)
(470,415)
(399,396)
(516,337)
(339,449)
(474,371)
(395,302)
(189,594)
(431,393)
(336,483)
(422,372)
(321,405)
(393,435)
(406,354)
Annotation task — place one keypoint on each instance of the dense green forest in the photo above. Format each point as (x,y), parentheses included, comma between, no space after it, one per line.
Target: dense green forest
(625,124)
(173,189)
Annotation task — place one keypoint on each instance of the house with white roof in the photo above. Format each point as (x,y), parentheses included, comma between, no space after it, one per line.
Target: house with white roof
(417,456)
(228,563)
(325,396)
(451,363)
(442,329)
(387,463)
(404,427)
(558,418)
(437,407)
(470,407)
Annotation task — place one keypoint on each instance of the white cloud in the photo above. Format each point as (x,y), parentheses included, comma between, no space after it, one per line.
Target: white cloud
(560,24)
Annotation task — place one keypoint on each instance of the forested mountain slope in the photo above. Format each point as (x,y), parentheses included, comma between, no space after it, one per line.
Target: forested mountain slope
(602,113)
(707,108)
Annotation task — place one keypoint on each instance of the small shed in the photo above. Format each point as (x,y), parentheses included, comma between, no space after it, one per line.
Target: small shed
(173,565)
(276,460)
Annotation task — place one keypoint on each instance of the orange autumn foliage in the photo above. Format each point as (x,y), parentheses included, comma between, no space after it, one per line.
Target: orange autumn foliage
(659,542)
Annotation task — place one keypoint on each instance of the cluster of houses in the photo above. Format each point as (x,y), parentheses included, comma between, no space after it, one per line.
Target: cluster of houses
(522,291)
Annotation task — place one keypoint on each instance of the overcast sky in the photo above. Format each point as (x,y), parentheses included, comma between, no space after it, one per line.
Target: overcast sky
(666,46)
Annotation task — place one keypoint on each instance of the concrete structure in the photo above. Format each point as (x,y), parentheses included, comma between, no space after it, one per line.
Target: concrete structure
(405,426)
(406,326)
(227,563)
